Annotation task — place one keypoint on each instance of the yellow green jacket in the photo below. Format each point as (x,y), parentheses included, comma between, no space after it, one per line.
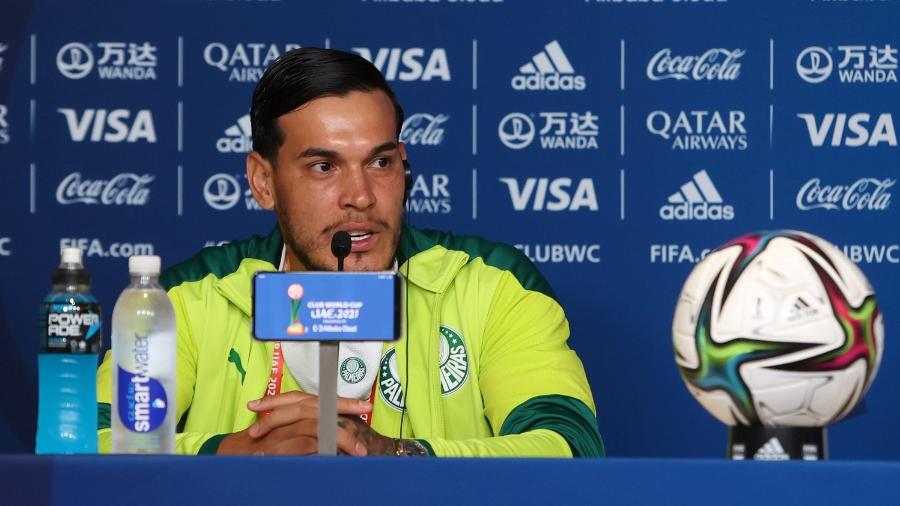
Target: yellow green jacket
(516,389)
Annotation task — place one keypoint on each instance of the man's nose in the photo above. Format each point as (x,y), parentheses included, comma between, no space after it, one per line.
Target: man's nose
(356,192)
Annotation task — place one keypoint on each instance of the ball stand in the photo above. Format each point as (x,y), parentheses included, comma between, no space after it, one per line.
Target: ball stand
(757,442)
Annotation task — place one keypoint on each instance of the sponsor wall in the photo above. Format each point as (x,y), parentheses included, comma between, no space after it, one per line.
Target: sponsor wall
(615,143)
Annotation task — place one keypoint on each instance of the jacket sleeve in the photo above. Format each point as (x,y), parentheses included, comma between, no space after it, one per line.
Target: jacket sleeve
(536,395)
(186,367)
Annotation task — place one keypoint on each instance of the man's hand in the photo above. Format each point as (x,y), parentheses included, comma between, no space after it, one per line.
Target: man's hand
(372,443)
(290,427)
(375,443)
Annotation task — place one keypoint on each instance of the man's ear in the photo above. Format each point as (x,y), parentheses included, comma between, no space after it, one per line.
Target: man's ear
(260,177)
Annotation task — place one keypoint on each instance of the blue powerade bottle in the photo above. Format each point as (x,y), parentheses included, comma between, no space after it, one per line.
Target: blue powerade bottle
(67,361)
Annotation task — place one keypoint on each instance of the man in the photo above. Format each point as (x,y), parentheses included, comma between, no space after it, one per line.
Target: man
(482,368)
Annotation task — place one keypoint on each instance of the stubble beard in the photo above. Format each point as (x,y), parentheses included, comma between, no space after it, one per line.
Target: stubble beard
(301,249)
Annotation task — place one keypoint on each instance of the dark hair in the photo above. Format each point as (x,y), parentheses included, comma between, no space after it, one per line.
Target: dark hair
(302,75)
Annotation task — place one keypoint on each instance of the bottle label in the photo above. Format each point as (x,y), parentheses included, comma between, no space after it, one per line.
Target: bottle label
(142,400)
(72,328)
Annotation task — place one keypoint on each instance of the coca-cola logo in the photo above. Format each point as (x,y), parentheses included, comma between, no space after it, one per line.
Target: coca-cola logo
(423,129)
(866,194)
(126,189)
(716,64)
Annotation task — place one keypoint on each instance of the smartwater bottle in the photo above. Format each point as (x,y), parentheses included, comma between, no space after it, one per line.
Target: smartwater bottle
(70,340)
(143,375)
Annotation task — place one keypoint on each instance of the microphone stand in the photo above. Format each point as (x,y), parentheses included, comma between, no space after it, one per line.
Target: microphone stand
(328,363)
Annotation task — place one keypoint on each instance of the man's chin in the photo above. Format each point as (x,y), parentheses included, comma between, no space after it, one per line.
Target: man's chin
(367,262)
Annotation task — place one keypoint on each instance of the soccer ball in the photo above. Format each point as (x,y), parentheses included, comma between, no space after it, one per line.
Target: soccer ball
(778,329)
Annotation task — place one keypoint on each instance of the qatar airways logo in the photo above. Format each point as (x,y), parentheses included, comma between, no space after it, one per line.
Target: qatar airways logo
(865,194)
(430,195)
(125,189)
(700,130)
(423,129)
(717,64)
(243,62)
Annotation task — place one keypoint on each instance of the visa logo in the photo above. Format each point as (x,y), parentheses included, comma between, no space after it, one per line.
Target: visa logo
(851,130)
(388,60)
(117,125)
(551,194)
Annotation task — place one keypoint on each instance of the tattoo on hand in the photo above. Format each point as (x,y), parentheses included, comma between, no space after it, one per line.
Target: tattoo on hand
(410,448)
(376,444)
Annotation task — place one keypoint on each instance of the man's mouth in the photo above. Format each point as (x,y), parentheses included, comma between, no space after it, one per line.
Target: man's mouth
(365,235)
(362,239)
(356,236)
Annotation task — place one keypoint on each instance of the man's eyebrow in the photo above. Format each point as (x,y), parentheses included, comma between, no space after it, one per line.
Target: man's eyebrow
(328,153)
(318,152)
(387,146)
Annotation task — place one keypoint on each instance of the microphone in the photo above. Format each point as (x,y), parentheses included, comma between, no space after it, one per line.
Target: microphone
(340,247)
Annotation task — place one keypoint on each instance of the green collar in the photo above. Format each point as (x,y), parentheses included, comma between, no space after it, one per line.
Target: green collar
(432,269)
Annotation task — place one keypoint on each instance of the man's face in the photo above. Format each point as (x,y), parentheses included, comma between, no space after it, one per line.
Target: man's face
(340,168)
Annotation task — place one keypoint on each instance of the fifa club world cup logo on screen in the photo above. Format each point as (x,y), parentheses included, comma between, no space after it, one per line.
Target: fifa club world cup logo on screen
(295,292)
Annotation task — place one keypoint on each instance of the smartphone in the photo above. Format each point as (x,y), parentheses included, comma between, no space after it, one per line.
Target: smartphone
(326,306)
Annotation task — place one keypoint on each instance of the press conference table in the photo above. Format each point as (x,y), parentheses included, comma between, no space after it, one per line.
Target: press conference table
(201,481)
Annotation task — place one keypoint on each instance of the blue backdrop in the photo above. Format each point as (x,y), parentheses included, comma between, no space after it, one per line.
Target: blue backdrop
(570,128)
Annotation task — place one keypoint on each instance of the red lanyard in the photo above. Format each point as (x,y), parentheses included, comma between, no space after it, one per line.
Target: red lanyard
(276,372)
(274,385)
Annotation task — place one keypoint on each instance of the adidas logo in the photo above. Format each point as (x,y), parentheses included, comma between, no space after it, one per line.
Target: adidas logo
(549,70)
(237,137)
(698,199)
(3,47)
(800,309)
(772,450)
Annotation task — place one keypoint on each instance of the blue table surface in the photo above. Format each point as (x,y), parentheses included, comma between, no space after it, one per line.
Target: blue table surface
(162,480)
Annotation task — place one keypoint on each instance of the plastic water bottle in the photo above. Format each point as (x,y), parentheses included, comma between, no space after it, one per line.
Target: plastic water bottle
(67,361)
(143,349)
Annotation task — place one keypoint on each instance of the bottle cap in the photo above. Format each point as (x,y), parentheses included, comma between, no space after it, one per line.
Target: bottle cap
(71,270)
(71,255)
(144,264)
